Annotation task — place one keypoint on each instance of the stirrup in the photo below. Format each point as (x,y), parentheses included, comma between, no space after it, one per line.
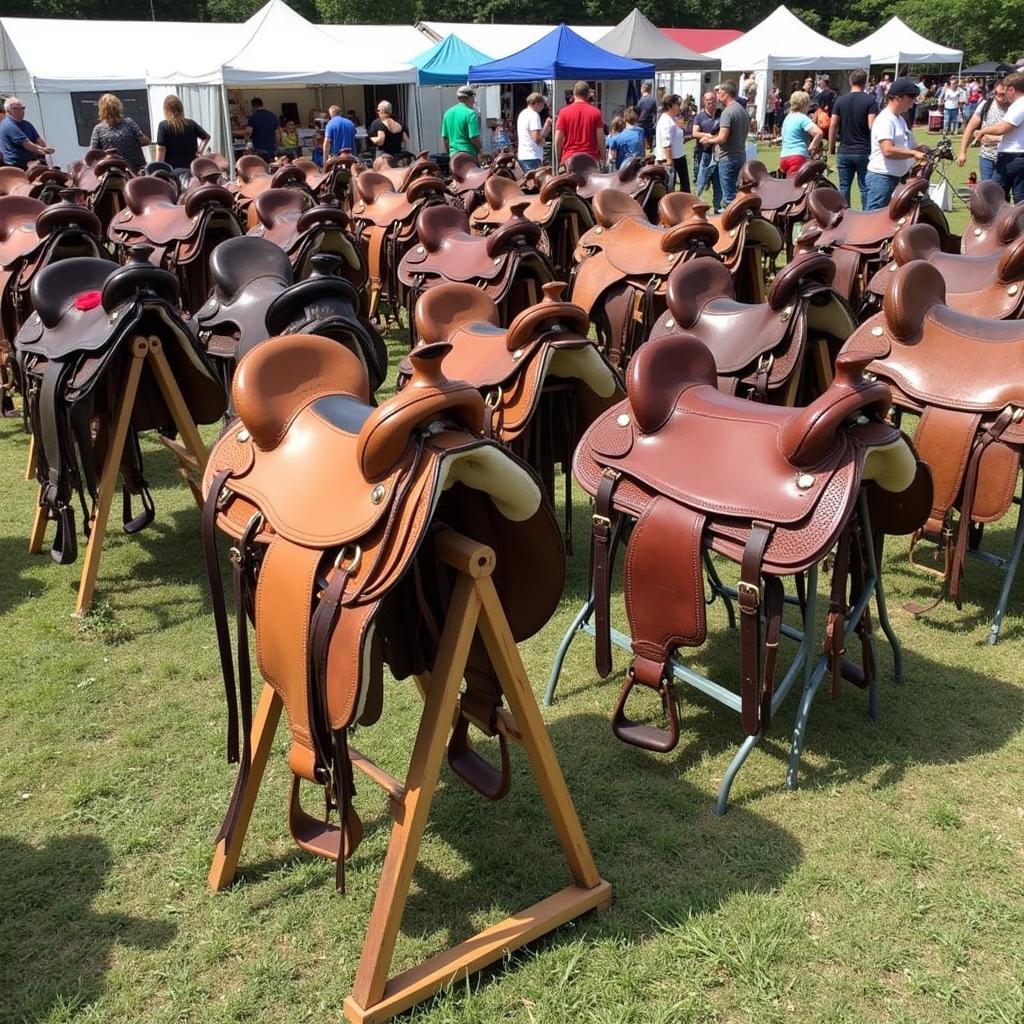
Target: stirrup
(490,782)
(648,737)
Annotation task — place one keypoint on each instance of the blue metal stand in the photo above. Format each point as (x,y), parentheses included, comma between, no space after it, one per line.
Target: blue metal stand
(805,663)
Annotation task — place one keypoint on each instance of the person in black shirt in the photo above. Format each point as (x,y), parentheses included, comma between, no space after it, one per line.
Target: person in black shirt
(825,97)
(852,118)
(387,133)
(646,112)
(179,140)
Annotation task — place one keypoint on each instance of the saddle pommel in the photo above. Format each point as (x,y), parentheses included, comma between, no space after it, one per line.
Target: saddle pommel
(911,292)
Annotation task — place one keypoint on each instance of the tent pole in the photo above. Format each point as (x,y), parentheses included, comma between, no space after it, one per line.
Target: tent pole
(554,118)
(897,74)
(228,140)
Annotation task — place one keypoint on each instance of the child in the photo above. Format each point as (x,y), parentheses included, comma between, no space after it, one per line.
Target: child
(290,140)
(615,153)
(318,149)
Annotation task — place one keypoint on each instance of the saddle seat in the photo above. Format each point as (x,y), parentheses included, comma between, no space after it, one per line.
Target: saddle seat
(994,222)
(631,178)
(18,215)
(154,214)
(468,175)
(860,229)
(379,203)
(13,181)
(503,194)
(779,194)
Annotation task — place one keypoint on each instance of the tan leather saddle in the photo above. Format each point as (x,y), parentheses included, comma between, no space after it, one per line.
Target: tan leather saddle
(72,356)
(287,219)
(506,265)
(385,225)
(994,222)
(330,505)
(781,350)
(783,200)
(624,263)
(962,374)
(181,237)
(858,240)
(556,207)
(401,177)
(640,179)
(989,284)
(771,489)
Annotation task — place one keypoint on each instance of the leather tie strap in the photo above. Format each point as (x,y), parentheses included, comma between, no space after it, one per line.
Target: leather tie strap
(749,600)
(603,551)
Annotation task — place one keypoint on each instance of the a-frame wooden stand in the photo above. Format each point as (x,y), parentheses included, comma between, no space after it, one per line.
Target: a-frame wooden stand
(474,606)
(192,457)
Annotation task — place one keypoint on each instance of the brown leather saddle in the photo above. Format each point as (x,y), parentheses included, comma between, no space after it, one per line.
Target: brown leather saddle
(255,177)
(542,379)
(255,297)
(783,200)
(768,488)
(181,236)
(101,175)
(781,350)
(331,506)
(402,176)
(287,219)
(987,284)
(73,353)
(640,179)
(994,222)
(962,374)
(385,225)
(858,240)
(748,244)
(506,265)
(469,178)
(556,207)
(624,263)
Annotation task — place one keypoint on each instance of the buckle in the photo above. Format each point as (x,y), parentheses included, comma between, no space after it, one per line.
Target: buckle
(1017,413)
(749,590)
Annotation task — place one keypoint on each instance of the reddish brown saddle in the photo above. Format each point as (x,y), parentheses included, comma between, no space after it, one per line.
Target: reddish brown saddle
(385,225)
(556,207)
(542,379)
(859,241)
(469,178)
(331,506)
(401,177)
(672,457)
(255,177)
(624,263)
(781,350)
(640,179)
(962,374)
(102,176)
(181,237)
(987,285)
(287,219)
(994,222)
(506,265)
(783,200)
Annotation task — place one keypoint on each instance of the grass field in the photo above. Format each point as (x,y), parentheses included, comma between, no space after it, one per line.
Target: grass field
(889,888)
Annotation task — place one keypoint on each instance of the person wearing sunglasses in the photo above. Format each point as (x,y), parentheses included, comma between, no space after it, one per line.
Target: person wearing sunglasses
(20,143)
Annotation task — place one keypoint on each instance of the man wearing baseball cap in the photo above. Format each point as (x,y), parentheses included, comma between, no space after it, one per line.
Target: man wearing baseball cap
(460,126)
(893,152)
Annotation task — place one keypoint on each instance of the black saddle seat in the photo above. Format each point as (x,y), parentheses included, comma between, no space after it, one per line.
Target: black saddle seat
(237,262)
(55,288)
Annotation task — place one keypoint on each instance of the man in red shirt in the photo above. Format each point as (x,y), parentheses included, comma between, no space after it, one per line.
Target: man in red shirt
(579,128)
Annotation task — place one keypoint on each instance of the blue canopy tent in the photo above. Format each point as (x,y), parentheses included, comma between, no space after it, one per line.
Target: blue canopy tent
(447,62)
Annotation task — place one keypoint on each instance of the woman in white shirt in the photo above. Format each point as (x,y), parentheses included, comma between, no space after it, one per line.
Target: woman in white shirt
(893,153)
(530,133)
(670,141)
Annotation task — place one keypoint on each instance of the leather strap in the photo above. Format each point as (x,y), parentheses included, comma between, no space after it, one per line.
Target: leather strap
(752,689)
(602,553)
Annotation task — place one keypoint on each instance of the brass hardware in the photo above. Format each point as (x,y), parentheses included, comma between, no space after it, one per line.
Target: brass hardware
(786,314)
(356,559)
(670,322)
(750,589)
(671,256)
(977,232)
(420,248)
(1013,289)
(518,354)
(493,398)
(598,230)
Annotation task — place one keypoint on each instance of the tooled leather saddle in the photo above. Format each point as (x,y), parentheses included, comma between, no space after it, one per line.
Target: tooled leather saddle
(287,219)
(556,207)
(640,179)
(181,236)
(671,456)
(331,506)
(39,182)
(994,222)
(962,374)
(542,379)
(989,284)
(72,357)
(402,176)
(255,297)
(623,265)
(781,350)
(506,265)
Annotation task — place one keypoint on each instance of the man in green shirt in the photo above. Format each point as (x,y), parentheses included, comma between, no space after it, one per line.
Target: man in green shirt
(460,127)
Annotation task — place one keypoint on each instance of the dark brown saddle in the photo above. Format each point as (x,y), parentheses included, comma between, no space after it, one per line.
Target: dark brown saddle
(962,374)
(255,176)
(624,262)
(640,179)
(331,506)
(73,354)
(469,178)
(783,516)
(987,284)
(783,200)
(101,175)
(781,350)
(994,222)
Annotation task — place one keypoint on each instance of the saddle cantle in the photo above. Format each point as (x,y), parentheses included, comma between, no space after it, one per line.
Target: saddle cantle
(330,505)
(506,265)
(624,262)
(402,177)
(783,200)
(642,180)
(469,178)
(747,242)
(672,456)
(962,374)
(994,222)
(781,350)
(984,284)
(73,353)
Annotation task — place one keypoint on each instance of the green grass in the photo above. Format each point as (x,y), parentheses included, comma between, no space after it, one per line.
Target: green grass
(888,888)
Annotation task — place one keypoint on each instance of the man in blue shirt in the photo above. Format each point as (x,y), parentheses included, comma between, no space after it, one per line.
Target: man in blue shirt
(20,143)
(263,131)
(705,164)
(340,134)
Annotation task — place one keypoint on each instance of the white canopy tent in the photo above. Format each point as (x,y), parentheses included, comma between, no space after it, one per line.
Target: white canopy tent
(897,43)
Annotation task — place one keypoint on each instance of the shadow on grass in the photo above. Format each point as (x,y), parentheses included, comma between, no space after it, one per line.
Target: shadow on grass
(55,949)
(15,586)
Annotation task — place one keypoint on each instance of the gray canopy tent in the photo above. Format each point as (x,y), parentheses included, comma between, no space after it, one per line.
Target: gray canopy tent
(637,38)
